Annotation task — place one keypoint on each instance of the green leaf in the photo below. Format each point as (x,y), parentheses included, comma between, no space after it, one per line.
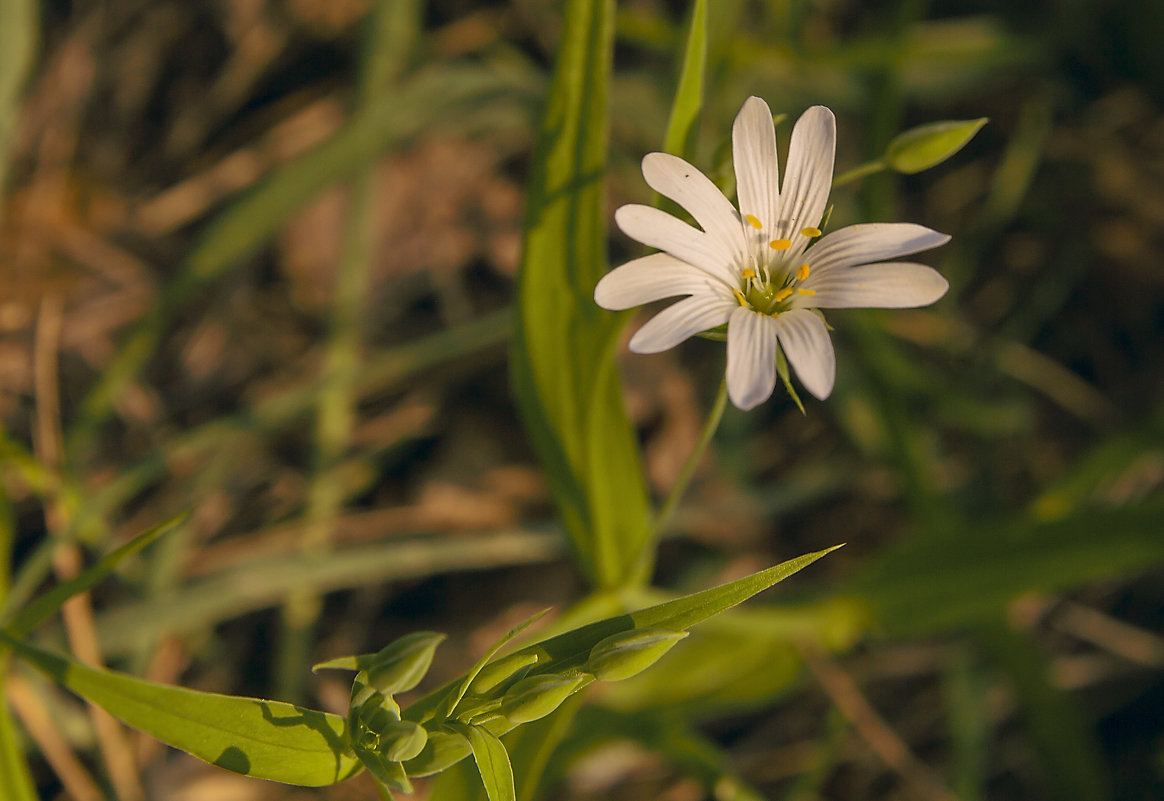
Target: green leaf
(562,361)
(264,739)
(571,650)
(929,145)
(51,601)
(682,127)
(492,762)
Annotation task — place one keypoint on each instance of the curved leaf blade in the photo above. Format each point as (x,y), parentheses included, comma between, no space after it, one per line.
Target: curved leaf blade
(264,739)
(492,762)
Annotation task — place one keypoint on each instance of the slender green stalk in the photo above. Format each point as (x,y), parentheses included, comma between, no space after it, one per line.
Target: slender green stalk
(860,171)
(688,471)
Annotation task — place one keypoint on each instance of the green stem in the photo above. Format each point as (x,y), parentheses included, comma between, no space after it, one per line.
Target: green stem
(860,171)
(685,475)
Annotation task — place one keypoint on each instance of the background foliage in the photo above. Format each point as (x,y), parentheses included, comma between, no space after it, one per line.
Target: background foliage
(255,268)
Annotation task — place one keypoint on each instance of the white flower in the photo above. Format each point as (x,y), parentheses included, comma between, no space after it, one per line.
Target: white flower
(762,269)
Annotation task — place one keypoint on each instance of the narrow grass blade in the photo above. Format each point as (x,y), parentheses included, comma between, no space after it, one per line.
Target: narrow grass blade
(47,604)
(562,361)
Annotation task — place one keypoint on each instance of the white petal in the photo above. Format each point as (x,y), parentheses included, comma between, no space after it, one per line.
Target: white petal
(893,285)
(808,174)
(755,160)
(681,320)
(806,343)
(650,278)
(869,242)
(674,178)
(751,358)
(658,229)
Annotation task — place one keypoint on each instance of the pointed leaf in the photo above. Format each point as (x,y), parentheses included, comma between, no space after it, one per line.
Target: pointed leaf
(562,358)
(492,762)
(264,739)
(54,599)
(463,688)
(682,127)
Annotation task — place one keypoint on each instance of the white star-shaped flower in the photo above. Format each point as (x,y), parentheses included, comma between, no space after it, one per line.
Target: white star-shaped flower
(765,269)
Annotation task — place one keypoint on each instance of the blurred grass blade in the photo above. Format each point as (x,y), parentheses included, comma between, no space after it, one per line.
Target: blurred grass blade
(1070,753)
(492,762)
(15,781)
(18,43)
(54,599)
(933,584)
(263,739)
(683,126)
(562,360)
(447,94)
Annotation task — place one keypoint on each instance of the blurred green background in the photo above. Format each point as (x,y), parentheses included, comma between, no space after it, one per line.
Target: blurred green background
(253,268)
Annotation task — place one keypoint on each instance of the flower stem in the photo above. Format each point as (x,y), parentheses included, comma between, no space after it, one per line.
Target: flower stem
(685,475)
(860,171)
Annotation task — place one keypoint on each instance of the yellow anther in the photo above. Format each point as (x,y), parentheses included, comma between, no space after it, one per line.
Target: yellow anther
(783,294)
(802,272)
(775,315)
(740,297)
(810,232)
(748,273)
(806,291)
(780,244)
(753,221)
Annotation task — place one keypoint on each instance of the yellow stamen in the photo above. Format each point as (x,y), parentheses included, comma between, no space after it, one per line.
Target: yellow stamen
(783,294)
(806,291)
(810,232)
(748,273)
(775,315)
(780,244)
(740,297)
(753,221)
(802,272)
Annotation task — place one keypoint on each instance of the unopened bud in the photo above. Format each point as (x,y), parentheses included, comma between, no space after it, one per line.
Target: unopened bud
(622,655)
(507,669)
(401,740)
(535,697)
(400,665)
(928,145)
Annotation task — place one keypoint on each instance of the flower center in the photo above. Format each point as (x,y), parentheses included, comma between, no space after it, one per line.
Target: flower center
(769,285)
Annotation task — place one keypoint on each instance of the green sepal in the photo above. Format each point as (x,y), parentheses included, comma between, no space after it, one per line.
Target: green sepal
(498,676)
(782,371)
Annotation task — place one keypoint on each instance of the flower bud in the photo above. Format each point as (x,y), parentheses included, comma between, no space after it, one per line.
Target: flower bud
(928,145)
(507,669)
(537,696)
(622,655)
(401,740)
(400,665)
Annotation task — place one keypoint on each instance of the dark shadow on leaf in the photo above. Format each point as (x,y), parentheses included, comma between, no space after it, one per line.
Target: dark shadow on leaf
(234,759)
